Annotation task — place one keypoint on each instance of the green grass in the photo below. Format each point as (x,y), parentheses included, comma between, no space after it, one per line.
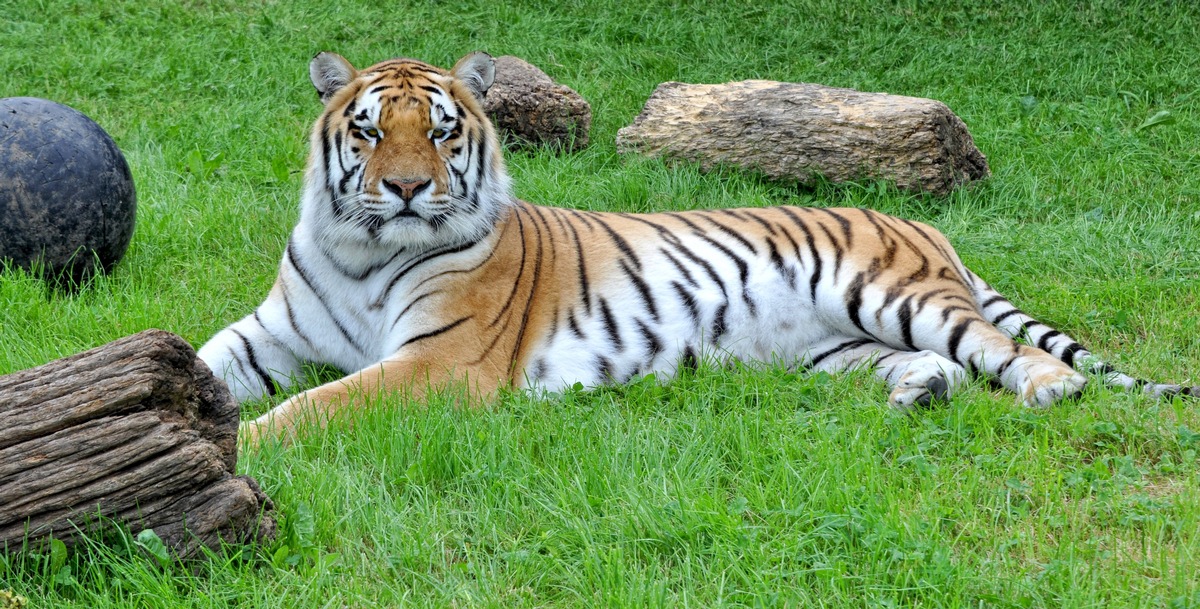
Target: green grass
(746,487)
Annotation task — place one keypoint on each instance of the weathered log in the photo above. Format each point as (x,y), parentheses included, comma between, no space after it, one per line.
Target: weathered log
(137,431)
(799,131)
(531,109)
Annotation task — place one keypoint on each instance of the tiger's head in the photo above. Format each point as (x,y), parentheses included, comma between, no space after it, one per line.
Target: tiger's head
(403,156)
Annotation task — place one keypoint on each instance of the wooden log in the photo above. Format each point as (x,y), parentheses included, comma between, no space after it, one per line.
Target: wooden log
(530,109)
(799,131)
(137,431)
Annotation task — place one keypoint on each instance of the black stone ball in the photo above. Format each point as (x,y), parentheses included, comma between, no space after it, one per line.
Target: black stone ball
(67,202)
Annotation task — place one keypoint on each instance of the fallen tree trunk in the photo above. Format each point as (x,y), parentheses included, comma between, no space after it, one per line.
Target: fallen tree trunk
(137,431)
(533,110)
(799,131)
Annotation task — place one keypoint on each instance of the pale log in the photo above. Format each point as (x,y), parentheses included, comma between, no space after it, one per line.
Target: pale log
(797,131)
(138,432)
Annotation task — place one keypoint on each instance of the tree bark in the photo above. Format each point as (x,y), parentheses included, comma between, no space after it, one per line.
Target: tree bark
(530,109)
(137,431)
(799,131)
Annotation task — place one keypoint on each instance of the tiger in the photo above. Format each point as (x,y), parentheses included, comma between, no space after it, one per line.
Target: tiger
(414,266)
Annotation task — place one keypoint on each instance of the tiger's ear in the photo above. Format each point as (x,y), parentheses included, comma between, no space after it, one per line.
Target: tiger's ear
(329,73)
(477,70)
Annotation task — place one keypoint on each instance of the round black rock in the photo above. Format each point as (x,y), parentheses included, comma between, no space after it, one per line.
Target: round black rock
(67,200)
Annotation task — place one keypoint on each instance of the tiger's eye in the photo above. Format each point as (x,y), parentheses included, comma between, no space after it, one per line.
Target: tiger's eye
(438,133)
(371,132)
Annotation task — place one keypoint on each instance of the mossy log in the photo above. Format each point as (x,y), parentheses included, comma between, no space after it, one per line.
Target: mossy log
(136,432)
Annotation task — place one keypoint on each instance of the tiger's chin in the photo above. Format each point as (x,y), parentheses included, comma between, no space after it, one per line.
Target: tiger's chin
(414,231)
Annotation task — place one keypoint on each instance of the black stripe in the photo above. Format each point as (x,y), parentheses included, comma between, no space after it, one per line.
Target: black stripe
(838,251)
(610,325)
(653,342)
(689,301)
(538,370)
(679,265)
(533,286)
(956,336)
(237,359)
(689,360)
(407,268)
(287,304)
(708,269)
(604,368)
(250,357)
(1068,354)
(755,217)
(841,220)
(571,321)
(743,270)
(582,217)
(850,344)
(291,256)
(1005,315)
(520,272)
(430,334)
(948,311)
(1044,342)
(481,158)
(325,153)
(718,325)
(1004,367)
(643,290)
(732,233)
(905,316)
(812,248)
(784,270)
(854,301)
(584,285)
(993,300)
(619,241)
(410,306)
(889,244)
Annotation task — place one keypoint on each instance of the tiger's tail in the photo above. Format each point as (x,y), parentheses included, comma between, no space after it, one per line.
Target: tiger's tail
(1018,325)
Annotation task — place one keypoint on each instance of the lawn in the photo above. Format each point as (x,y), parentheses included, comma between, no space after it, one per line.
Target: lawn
(726,487)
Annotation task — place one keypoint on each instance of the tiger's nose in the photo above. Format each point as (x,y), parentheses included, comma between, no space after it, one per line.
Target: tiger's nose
(406,188)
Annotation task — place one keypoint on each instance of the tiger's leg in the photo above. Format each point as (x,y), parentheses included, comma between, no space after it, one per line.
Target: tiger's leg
(320,405)
(1015,323)
(1039,378)
(250,360)
(917,378)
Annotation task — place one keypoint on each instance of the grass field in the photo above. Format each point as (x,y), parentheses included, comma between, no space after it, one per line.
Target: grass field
(747,487)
